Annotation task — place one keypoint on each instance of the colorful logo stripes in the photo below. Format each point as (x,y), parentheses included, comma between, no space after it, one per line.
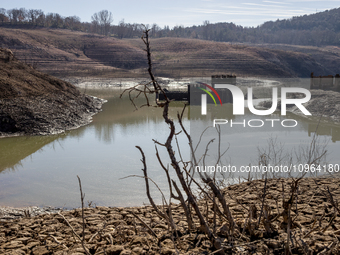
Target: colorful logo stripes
(208,92)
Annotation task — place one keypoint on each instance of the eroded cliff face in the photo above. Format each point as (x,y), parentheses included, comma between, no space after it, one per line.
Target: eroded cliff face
(35,103)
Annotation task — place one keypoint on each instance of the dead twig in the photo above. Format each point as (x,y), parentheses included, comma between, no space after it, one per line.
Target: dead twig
(144,224)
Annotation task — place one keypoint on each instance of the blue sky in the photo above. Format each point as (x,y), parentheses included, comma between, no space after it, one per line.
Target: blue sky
(180,12)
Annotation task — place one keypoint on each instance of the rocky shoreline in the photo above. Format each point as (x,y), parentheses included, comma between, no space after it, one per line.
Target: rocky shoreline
(140,230)
(11,213)
(46,115)
(324,105)
(34,103)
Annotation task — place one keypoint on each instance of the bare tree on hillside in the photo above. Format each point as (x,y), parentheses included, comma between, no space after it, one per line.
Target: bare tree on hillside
(154,29)
(102,20)
(40,21)
(3,16)
(54,20)
(121,29)
(23,14)
(206,25)
(13,15)
(33,16)
(72,22)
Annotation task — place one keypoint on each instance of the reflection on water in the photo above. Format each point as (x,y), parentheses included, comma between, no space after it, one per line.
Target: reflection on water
(325,130)
(12,152)
(42,170)
(244,142)
(100,153)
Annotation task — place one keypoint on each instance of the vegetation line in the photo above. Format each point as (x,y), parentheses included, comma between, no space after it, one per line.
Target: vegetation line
(316,29)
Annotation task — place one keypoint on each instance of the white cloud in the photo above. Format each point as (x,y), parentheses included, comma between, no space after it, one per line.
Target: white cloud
(272,2)
(264,5)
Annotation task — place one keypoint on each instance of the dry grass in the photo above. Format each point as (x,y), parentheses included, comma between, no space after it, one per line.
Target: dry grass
(192,57)
(70,53)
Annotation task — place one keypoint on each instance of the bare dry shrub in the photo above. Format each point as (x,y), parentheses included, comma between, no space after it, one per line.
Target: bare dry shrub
(207,207)
(261,215)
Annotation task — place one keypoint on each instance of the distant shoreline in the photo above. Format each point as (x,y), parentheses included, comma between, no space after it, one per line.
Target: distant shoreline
(324,105)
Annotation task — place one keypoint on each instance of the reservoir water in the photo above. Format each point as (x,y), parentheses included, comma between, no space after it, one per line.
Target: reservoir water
(42,170)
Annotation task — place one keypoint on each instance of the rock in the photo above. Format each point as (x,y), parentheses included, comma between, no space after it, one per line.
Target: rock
(139,240)
(273,244)
(30,245)
(16,252)
(13,245)
(137,251)
(40,250)
(168,251)
(6,55)
(126,252)
(114,250)
(119,238)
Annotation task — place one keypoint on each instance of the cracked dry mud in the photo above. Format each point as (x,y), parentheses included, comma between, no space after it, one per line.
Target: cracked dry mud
(315,227)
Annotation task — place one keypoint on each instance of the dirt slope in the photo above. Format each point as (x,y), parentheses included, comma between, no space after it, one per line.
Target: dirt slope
(69,53)
(63,52)
(192,57)
(32,102)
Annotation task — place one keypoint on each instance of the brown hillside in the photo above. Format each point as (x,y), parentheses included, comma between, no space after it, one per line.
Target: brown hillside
(327,56)
(192,57)
(69,53)
(63,52)
(20,80)
(32,102)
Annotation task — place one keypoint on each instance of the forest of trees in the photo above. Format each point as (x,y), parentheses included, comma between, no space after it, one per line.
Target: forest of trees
(101,22)
(318,29)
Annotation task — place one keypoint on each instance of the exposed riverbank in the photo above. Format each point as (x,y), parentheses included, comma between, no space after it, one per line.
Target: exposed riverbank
(315,226)
(34,103)
(324,105)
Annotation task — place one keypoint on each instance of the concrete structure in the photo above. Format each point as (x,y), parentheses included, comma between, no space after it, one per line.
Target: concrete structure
(225,94)
(223,79)
(328,82)
(176,95)
(193,94)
